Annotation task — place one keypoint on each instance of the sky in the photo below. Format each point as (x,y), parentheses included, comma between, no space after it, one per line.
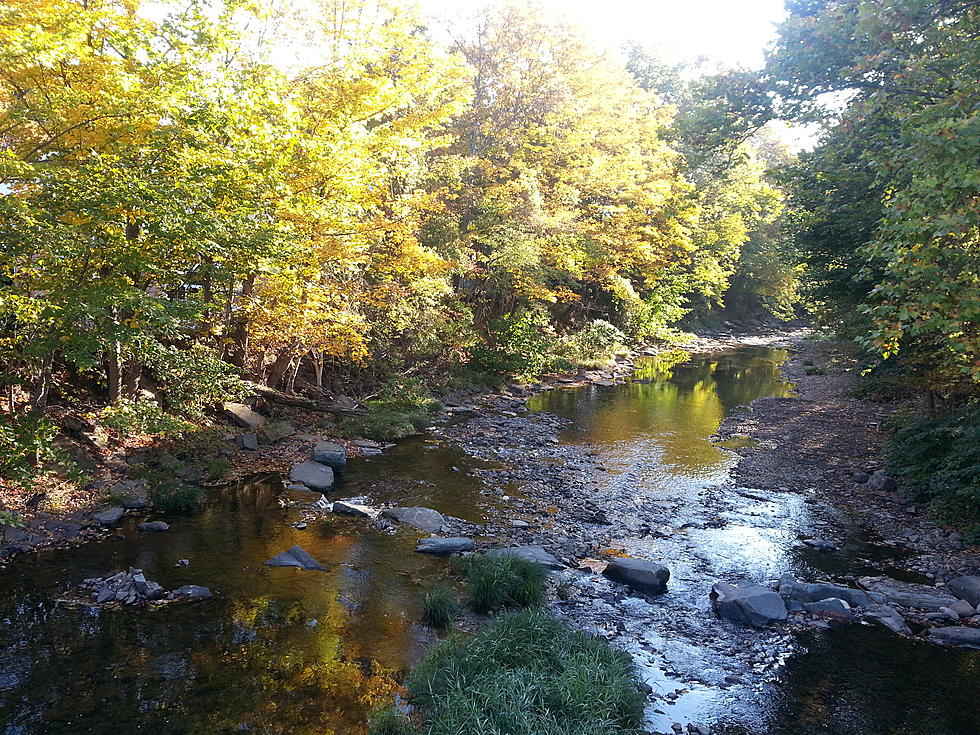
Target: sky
(729,32)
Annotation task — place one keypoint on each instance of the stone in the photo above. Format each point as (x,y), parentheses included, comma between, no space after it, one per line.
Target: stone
(135,503)
(639,574)
(303,495)
(108,517)
(888,617)
(963,609)
(182,563)
(957,635)
(347,508)
(248,442)
(447,545)
(295,556)
(244,416)
(424,519)
(749,604)
(880,481)
(820,544)
(535,554)
(861,477)
(832,607)
(966,588)
(904,594)
(791,588)
(189,592)
(277,431)
(331,454)
(12,534)
(153,526)
(519,524)
(312,474)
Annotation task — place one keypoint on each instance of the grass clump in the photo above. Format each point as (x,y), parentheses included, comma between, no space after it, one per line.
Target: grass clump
(390,722)
(439,608)
(527,673)
(503,581)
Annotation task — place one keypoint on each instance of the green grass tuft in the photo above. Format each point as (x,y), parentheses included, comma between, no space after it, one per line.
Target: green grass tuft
(503,581)
(174,496)
(440,608)
(390,722)
(527,673)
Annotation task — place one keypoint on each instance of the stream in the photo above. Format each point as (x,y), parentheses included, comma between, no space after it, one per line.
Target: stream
(291,652)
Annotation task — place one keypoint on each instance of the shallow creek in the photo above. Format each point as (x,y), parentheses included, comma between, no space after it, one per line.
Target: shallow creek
(283,651)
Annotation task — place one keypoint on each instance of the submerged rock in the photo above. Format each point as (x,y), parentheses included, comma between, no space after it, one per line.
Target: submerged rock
(424,519)
(295,556)
(749,604)
(154,526)
(331,454)
(448,545)
(904,594)
(640,574)
(534,554)
(190,592)
(312,474)
(966,588)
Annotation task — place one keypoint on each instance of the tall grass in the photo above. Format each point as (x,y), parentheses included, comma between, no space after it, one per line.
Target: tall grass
(439,608)
(504,581)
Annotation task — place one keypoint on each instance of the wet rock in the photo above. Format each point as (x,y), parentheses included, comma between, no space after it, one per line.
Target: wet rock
(130,587)
(888,617)
(860,477)
(182,563)
(833,607)
(639,574)
(820,544)
(331,454)
(519,524)
(132,502)
(963,608)
(903,594)
(967,588)
(535,554)
(957,635)
(312,474)
(303,495)
(12,534)
(295,556)
(347,508)
(108,517)
(244,416)
(749,604)
(424,519)
(153,526)
(248,442)
(880,481)
(791,588)
(448,545)
(190,592)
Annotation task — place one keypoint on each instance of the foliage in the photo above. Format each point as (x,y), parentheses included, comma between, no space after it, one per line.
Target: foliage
(26,446)
(140,416)
(10,519)
(937,459)
(390,722)
(503,581)
(401,409)
(526,673)
(523,344)
(439,608)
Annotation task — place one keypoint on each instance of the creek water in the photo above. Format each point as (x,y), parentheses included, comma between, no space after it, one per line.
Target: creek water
(295,652)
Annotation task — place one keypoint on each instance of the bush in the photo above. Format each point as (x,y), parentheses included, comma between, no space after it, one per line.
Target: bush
(503,581)
(390,722)
(595,343)
(141,417)
(171,495)
(521,344)
(402,408)
(527,673)
(439,608)
(938,460)
(26,446)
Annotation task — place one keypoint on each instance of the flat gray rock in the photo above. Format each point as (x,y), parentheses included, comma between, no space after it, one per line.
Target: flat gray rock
(248,442)
(312,474)
(331,454)
(295,556)
(535,554)
(888,617)
(424,519)
(967,588)
(957,635)
(833,608)
(639,574)
(749,604)
(243,416)
(347,508)
(905,594)
(448,545)
(190,592)
(153,526)
(108,517)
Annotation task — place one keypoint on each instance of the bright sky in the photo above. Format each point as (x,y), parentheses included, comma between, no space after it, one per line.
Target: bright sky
(730,32)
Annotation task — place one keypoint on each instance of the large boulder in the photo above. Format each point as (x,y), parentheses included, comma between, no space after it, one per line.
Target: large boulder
(295,556)
(534,554)
(967,588)
(331,454)
(640,574)
(888,617)
(448,545)
(833,607)
(749,604)
(244,416)
(957,635)
(424,519)
(905,594)
(312,474)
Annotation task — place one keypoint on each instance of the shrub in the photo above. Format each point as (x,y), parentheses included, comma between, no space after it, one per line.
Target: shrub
(439,608)
(170,495)
(503,581)
(26,446)
(402,408)
(938,460)
(521,344)
(595,343)
(141,417)
(527,673)
(390,722)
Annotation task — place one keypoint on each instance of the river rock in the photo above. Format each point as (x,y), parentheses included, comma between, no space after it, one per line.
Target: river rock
(189,592)
(832,607)
(133,502)
(640,574)
(535,554)
(153,526)
(957,635)
(820,544)
(244,416)
(967,588)
(347,508)
(791,588)
(424,519)
(303,495)
(880,481)
(749,604)
(888,617)
(312,474)
(108,517)
(295,556)
(861,477)
(277,431)
(448,545)
(331,454)
(248,442)
(963,609)
(904,594)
